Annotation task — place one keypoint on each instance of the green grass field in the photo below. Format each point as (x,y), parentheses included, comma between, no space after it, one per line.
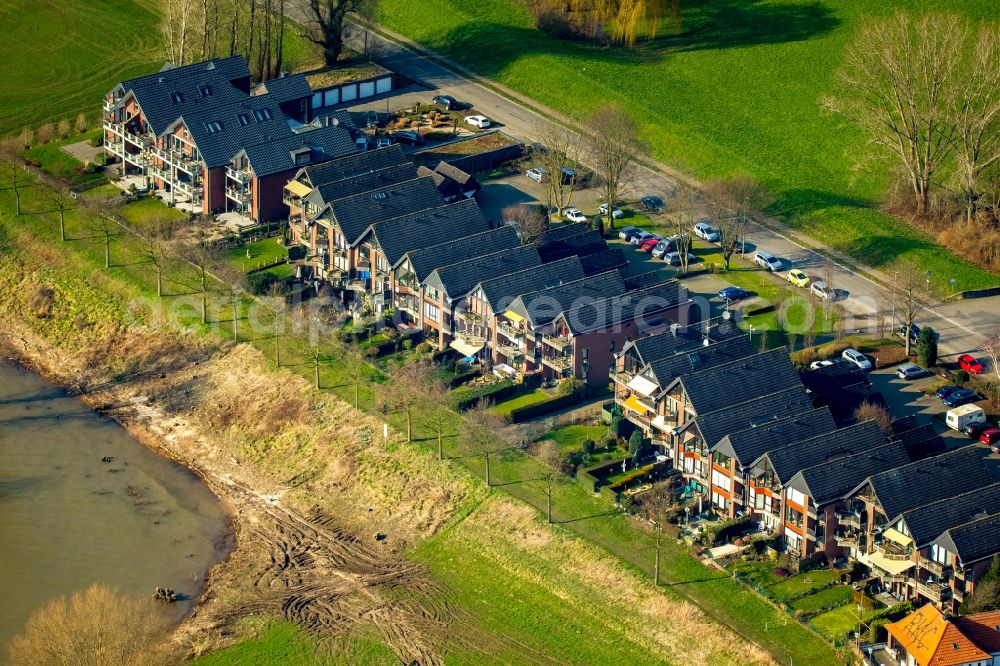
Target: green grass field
(284,644)
(532,398)
(737,90)
(839,622)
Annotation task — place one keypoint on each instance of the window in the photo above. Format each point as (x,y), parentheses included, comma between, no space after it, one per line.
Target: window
(213,126)
(719,501)
(793,516)
(586,353)
(205,90)
(244,119)
(431,312)
(262,114)
(721,459)
(176,97)
(302,158)
(797,497)
(611,347)
(939,554)
(433,294)
(720,480)
(791,539)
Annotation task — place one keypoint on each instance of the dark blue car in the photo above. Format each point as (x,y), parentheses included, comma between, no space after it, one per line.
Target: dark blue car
(733,294)
(962,396)
(946,390)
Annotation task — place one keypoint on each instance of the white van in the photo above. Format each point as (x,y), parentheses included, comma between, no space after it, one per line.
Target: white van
(962,416)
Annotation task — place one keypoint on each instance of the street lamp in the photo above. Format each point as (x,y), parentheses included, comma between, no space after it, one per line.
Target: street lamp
(751,332)
(928,276)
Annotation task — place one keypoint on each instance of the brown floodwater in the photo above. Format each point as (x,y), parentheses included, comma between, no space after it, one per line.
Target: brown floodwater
(83,502)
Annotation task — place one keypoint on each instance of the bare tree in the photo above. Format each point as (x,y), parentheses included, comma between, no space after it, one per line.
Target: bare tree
(683,212)
(559,153)
(614,148)
(178,25)
(405,389)
(12,170)
(95,627)
(61,200)
(869,411)
(898,78)
(357,371)
(991,346)
(325,25)
(550,456)
(530,223)
(658,503)
(732,200)
(438,412)
(976,116)
(907,288)
(202,256)
(484,432)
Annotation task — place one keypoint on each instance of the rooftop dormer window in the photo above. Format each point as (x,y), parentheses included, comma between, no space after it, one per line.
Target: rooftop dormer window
(176,97)
(244,119)
(213,126)
(262,114)
(205,90)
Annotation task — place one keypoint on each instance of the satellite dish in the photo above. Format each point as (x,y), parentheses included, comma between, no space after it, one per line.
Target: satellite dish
(727,315)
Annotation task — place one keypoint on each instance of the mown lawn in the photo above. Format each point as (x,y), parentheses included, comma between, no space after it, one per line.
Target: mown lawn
(832,596)
(533,398)
(736,89)
(570,438)
(801,583)
(838,623)
(258,253)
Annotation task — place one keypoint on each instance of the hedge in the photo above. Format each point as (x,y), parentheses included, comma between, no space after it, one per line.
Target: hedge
(589,479)
(463,378)
(519,414)
(466,397)
(758,310)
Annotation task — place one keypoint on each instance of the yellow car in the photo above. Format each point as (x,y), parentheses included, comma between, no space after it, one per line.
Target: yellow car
(798,278)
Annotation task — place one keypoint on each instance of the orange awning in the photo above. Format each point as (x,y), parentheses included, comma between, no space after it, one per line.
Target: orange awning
(633,403)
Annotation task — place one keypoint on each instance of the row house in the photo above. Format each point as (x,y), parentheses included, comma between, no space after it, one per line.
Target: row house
(446,287)
(928,637)
(582,342)
(520,327)
(453,183)
(415,265)
(200,135)
(841,387)
(476,316)
(881,540)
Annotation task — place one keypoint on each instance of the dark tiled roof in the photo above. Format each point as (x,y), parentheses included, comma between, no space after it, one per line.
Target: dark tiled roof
(603,261)
(352,165)
(355,213)
(426,259)
(973,541)
(542,306)
(665,369)
(501,291)
(748,445)
(285,89)
(559,232)
(450,180)
(909,486)
(325,143)
(588,242)
(454,173)
(154,92)
(655,276)
(825,383)
(926,523)
(830,481)
(743,375)
(921,442)
(429,227)
(823,448)
(741,415)
(643,304)
(361,182)
(238,129)
(457,278)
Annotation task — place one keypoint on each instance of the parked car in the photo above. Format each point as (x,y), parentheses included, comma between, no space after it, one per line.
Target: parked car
(407,136)
(383,141)
(705,231)
(674,258)
(946,390)
(970,364)
(363,143)
(536,174)
(767,261)
(857,358)
(816,365)
(626,233)
(446,102)
(990,436)
(652,202)
(568,175)
(638,238)
(974,430)
(914,333)
(616,213)
(820,290)
(910,371)
(650,243)
(482,122)
(371,120)
(798,278)
(664,246)
(962,396)
(733,294)
(574,215)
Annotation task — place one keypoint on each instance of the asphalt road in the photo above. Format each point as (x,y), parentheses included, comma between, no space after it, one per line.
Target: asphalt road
(963,326)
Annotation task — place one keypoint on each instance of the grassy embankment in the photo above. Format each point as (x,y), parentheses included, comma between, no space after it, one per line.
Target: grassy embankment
(34,256)
(737,90)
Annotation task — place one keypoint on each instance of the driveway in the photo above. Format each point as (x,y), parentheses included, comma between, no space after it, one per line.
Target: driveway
(905,398)
(861,295)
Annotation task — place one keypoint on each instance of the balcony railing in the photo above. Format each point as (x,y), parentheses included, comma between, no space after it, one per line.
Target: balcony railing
(622,377)
(849,519)
(892,551)
(509,350)
(238,195)
(108,105)
(512,332)
(470,338)
(408,302)
(935,568)
(239,175)
(469,316)
(936,592)
(557,342)
(558,362)
(846,539)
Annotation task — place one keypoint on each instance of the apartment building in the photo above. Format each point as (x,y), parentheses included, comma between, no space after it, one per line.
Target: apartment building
(201,136)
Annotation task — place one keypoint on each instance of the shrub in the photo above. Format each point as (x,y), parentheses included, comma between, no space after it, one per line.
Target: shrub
(41,300)
(889,356)
(63,129)
(424,347)
(927,348)
(588,446)
(372,351)
(961,376)
(81,124)
(634,442)
(832,350)
(520,414)
(26,137)
(407,344)
(780,572)
(45,133)
(467,396)
(876,631)
(569,385)
(262,283)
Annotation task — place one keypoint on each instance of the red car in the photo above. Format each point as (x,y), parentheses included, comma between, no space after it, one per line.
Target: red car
(648,245)
(990,436)
(969,363)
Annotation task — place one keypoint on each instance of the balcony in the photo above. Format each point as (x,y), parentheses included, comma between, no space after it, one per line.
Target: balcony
(469,317)
(510,331)
(849,519)
(560,363)
(936,592)
(936,568)
(470,339)
(892,552)
(846,539)
(622,377)
(408,302)
(509,350)
(557,342)
(242,196)
(241,176)
(108,105)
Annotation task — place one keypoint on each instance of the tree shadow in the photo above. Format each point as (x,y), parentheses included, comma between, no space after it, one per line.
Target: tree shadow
(603,514)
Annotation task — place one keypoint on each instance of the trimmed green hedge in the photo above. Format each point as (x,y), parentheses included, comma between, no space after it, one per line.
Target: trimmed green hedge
(467,396)
(463,378)
(592,477)
(519,414)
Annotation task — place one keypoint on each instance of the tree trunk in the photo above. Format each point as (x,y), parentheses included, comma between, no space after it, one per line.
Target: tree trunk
(107,250)
(277,350)
(548,503)
(204,299)
(251,29)
(357,395)
(17,199)
(62,226)
(236,320)
(440,443)
(656,563)
(409,425)
(487,454)
(316,368)
(159,280)
(279,55)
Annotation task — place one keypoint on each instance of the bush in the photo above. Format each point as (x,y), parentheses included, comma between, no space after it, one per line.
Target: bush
(588,446)
(81,124)
(876,631)
(407,344)
(463,378)
(259,284)
(961,377)
(45,133)
(569,385)
(63,129)
(519,414)
(780,572)
(467,396)
(927,348)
